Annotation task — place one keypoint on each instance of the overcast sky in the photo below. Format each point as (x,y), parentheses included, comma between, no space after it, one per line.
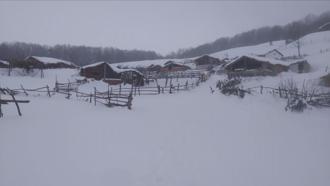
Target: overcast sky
(162,26)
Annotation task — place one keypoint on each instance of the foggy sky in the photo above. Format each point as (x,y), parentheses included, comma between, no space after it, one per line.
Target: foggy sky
(162,26)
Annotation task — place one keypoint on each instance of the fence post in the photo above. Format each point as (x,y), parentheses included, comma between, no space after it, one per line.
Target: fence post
(1,114)
(24,90)
(129,102)
(158,88)
(280,92)
(178,87)
(261,87)
(48,90)
(68,91)
(95,96)
(120,88)
(186,85)
(139,91)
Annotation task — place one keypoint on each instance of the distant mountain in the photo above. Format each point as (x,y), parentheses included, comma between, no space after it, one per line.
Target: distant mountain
(291,31)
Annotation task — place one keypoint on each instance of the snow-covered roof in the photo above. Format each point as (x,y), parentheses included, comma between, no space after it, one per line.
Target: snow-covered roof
(4,62)
(50,60)
(324,25)
(272,51)
(112,66)
(94,64)
(262,59)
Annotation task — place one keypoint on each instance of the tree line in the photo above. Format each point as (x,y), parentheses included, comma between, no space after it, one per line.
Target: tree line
(80,55)
(288,32)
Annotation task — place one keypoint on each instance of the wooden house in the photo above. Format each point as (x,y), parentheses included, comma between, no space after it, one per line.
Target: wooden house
(207,62)
(4,64)
(111,74)
(301,66)
(172,66)
(46,63)
(98,71)
(247,65)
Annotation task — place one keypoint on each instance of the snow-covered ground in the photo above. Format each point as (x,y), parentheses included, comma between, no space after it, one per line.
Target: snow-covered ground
(187,138)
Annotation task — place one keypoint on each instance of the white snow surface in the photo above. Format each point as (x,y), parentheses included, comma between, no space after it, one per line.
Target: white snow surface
(187,138)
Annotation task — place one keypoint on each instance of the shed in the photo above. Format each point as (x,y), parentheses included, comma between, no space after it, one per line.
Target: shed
(47,62)
(207,62)
(301,66)
(172,66)
(112,74)
(98,71)
(4,64)
(248,65)
(130,76)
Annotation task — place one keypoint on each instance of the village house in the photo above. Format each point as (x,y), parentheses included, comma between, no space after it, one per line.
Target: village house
(248,65)
(4,64)
(46,63)
(111,74)
(300,66)
(207,62)
(172,66)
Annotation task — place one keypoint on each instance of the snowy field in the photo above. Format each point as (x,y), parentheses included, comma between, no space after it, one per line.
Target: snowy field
(182,139)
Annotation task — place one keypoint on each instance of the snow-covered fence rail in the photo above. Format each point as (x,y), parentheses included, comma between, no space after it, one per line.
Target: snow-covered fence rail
(107,98)
(11,93)
(297,99)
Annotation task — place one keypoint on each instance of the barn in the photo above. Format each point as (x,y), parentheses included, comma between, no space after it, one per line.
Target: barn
(248,65)
(4,64)
(111,74)
(207,62)
(98,71)
(172,66)
(47,62)
(301,66)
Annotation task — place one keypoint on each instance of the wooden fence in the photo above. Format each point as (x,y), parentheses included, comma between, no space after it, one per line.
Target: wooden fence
(11,93)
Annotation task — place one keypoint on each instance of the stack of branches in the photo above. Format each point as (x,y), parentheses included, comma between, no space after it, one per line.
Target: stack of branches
(231,87)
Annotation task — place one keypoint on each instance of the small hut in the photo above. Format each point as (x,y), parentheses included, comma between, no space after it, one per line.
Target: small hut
(247,65)
(112,74)
(98,71)
(4,64)
(47,62)
(172,66)
(301,66)
(207,62)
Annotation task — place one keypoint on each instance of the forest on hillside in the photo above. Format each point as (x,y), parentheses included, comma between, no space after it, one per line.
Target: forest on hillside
(82,55)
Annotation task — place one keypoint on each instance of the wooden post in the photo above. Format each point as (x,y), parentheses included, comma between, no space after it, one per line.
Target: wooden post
(24,90)
(261,88)
(170,88)
(178,87)
(95,96)
(279,91)
(120,88)
(186,85)
(48,90)
(129,102)
(1,114)
(68,91)
(158,87)
(90,98)
(18,109)
(139,91)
